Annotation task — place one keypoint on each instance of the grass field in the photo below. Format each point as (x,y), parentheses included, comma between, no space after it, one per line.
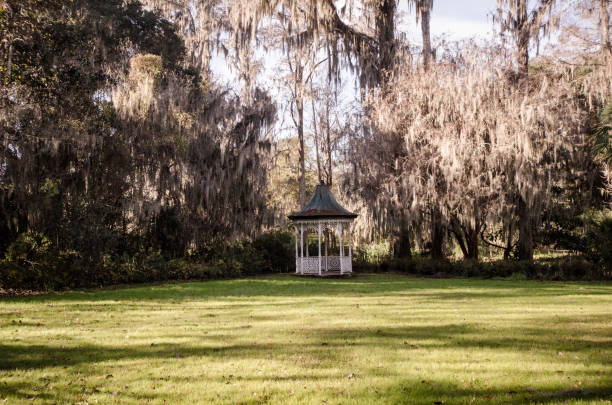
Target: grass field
(282,339)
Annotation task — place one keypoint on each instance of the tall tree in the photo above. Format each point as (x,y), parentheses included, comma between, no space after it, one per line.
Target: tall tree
(423,15)
(476,139)
(604,6)
(524,27)
(361,34)
(104,126)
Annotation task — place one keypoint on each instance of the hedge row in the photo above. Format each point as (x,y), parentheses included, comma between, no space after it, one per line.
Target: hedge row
(567,268)
(32,263)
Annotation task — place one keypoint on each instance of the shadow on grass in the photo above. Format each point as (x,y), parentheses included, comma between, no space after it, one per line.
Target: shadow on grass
(326,343)
(408,391)
(324,352)
(473,336)
(412,391)
(27,357)
(288,285)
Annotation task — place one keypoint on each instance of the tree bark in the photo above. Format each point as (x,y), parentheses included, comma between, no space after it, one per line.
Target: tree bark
(467,238)
(523,35)
(316,138)
(300,112)
(605,28)
(458,233)
(402,248)
(426,36)
(471,238)
(437,235)
(525,242)
(385,27)
(329,145)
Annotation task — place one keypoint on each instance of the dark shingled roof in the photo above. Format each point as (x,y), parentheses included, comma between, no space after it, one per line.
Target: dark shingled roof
(322,205)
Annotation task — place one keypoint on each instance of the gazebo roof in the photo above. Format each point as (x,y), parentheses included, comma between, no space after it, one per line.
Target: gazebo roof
(323,205)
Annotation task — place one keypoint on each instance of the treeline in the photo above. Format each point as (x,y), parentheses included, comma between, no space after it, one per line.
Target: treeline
(123,160)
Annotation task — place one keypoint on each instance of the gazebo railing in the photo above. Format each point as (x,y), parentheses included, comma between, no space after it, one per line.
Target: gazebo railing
(333,263)
(310,265)
(347,265)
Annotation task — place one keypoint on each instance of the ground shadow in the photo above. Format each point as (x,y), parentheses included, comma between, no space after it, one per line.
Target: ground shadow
(288,285)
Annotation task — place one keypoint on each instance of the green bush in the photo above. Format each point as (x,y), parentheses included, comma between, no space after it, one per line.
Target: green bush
(276,250)
(29,262)
(598,241)
(375,253)
(569,268)
(32,262)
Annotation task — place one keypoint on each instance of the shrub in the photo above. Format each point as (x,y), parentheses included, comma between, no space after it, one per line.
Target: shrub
(32,262)
(569,268)
(28,262)
(276,250)
(598,240)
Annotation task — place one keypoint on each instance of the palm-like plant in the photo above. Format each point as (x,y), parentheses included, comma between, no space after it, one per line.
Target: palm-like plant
(603,135)
(603,144)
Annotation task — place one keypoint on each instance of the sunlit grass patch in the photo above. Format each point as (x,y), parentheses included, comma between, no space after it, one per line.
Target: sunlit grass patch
(284,339)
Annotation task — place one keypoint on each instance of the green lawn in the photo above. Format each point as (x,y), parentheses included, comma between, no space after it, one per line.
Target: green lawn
(282,339)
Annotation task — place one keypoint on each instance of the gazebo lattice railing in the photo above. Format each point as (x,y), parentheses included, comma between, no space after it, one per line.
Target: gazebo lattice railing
(321,214)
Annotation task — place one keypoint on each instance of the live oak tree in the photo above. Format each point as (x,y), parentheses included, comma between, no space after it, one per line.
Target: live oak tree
(525,27)
(476,140)
(108,128)
(59,157)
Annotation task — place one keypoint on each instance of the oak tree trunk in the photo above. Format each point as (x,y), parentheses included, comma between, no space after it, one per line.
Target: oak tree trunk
(385,27)
(402,243)
(299,103)
(437,235)
(329,146)
(605,28)
(522,37)
(471,238)
(316,140)
(426,37)
(526,225)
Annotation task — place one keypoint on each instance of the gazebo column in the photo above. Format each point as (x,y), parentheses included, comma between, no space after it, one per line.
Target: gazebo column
(297,257)
(326,235)
(302,248)
(340,246)
(350,246)
(319,248)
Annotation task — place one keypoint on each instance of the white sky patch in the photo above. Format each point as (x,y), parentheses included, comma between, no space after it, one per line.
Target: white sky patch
(460,29)
(452,19)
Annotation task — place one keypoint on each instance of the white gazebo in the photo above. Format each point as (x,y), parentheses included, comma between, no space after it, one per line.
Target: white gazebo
(331,252)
